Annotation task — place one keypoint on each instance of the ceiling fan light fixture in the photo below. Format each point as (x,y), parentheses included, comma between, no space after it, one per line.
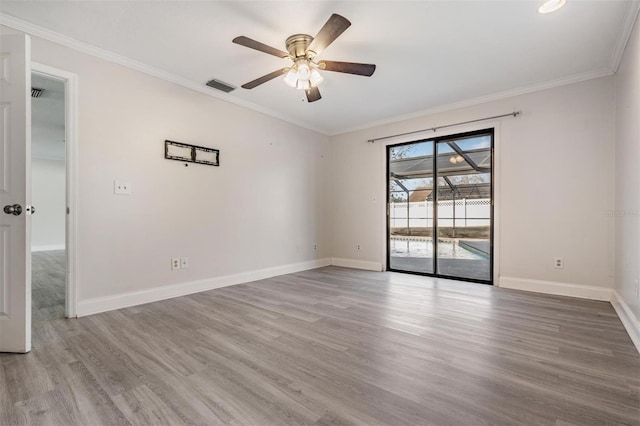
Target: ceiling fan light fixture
(304,72)
(303,75)
(315,79)
(291,77)
(551,6)
(303,85)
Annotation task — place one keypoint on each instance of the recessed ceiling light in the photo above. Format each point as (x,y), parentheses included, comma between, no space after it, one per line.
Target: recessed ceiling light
(551,6)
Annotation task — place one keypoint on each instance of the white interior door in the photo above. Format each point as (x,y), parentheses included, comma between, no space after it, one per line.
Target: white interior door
(15,149)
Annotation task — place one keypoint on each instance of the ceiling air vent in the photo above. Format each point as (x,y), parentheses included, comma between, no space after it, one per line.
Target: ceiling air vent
(35,92)
(217,84)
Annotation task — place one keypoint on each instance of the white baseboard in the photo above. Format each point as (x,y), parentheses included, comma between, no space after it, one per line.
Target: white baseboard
(356,264)
(118,301)
(629,320)
(50,247)
(557,288)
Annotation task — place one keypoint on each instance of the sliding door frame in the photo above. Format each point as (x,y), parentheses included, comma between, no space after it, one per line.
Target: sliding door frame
(438,139)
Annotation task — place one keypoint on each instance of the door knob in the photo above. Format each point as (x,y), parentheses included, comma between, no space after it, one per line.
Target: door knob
(15,209)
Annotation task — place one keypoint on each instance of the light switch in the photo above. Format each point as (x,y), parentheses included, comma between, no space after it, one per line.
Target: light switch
(121,188)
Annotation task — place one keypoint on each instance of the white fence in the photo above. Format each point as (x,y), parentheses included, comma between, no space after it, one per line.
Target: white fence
(473,212)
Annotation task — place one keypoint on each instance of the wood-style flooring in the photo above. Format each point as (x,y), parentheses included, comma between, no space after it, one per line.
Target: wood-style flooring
(330,346)
(47,288)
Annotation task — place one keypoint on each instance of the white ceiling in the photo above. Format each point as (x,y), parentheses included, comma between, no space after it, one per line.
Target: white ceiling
(47,119)
(429,54)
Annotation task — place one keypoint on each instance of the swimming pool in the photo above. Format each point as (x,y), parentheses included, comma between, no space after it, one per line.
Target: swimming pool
(423,247)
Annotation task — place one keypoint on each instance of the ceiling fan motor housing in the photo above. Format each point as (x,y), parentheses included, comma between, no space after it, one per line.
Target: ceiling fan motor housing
(297,45)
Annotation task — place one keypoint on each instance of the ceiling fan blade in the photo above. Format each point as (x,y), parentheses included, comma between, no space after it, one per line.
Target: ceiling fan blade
(313,94)
(252,44)
(267,77)
(335,26)
(348,67)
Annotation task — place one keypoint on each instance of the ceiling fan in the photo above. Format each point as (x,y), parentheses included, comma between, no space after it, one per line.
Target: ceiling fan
(303,50)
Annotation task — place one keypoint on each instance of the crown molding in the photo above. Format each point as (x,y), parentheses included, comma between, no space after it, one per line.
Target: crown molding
(55,37)
(576,78)
(624,34)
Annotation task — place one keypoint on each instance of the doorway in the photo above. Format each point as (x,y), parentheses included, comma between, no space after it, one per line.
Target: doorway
(53,193)
(48,197)
(440,207)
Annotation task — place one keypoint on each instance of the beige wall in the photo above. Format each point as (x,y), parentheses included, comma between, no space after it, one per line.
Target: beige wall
(627,176)
(264,207)
(554,166)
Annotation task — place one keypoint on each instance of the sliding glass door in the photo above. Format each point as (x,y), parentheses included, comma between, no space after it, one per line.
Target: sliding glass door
(440,206)
(410,219)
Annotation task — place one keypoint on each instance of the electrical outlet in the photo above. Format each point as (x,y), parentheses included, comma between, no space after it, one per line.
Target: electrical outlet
(358,246)
(315,247)
(184,262)
(121,188)
(559,262)
(175,263)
